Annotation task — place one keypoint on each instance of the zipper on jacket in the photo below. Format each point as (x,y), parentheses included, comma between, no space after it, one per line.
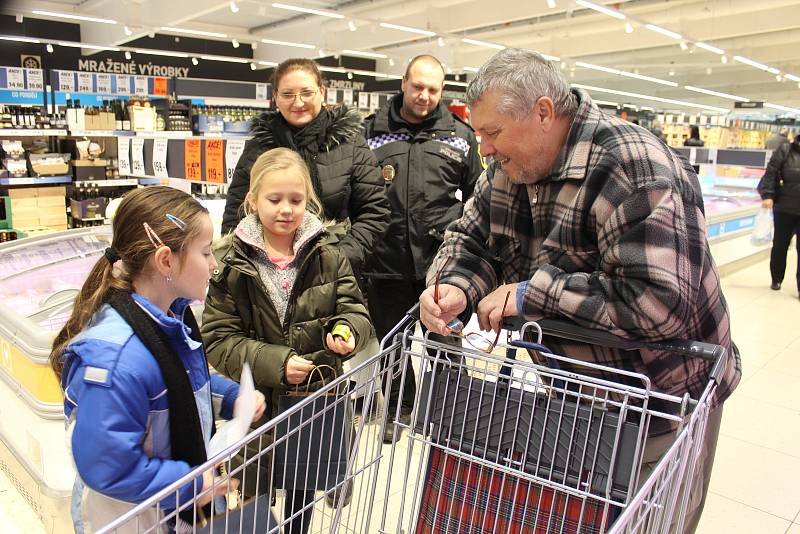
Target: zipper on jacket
(535,198)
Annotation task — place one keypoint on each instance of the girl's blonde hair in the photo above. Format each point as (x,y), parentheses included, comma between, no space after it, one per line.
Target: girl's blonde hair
(281,159)
(130,242)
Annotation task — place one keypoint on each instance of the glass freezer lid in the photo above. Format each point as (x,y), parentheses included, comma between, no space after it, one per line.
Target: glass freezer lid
(41,278)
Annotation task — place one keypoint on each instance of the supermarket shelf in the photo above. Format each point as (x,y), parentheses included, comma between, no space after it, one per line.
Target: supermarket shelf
(101,133)
(13,132)
(152,180)
(28,180)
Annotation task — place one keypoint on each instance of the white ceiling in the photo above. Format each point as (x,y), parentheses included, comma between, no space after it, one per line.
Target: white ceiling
(767,31)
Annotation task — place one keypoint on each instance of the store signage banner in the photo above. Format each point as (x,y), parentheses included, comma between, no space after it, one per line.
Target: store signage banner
(123,155)
(137,156)
(140,85)
(35,79)
(233,151)
(131,67)
(85,82)
(16,78)
(160,146)
(261,91)
(66,81)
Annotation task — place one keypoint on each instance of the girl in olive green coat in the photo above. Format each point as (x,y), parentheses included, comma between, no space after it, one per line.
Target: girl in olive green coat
(284,299)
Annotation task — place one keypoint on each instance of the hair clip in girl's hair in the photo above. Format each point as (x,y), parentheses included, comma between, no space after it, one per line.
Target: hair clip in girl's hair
(177,222)
(153,236)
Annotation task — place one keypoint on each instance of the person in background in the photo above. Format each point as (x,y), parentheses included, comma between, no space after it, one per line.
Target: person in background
(285,301)
(429,159)
(694,137)
(776,140)
(780,192)
(343,170)
(138,396)
(656,130)
(586,217)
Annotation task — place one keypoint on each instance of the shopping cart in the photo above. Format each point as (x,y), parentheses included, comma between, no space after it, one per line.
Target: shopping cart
(496,443)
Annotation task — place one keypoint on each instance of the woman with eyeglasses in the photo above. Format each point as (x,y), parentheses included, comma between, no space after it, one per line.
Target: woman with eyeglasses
(344,171)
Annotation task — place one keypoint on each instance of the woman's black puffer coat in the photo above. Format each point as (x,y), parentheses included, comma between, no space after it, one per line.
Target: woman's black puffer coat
(781,181)
(352,186)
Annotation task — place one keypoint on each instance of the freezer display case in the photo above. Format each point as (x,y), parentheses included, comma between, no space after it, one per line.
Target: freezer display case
(39,279)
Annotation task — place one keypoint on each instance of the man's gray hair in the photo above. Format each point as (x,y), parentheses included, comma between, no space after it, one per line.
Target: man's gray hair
(522,77)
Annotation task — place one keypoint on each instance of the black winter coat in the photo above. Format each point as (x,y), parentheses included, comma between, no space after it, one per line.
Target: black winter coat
(781,181)
(352,187)
(429,163)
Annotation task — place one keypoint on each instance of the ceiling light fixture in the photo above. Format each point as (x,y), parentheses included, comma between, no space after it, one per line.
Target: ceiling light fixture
(349,75)
(408,29)
(194,61)
(601,9)
(373,55)
(128,31)
(440,41)
(234,7)
(724,59)
(49,48)
(625,73)
(605,103)
(551,4)
(226,59)
(340,70)
(716,93)
(548,57)
(483,43)
(235,43)
(351,25)
(19,39)
(159,52)
(756,64)
(128,55)
(471,69)
(684,46)
(628,27)
(309,10)
(391,62)
(648,97)
(458,84)
(664,31)
(253,66)
(268,63)
(73,17)
(287,43)
(194,32)
(710,48)
(89,46)
(792,77)
(671,72)
(782,108)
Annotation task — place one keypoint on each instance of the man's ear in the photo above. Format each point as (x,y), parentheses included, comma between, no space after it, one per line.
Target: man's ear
(164,261)
(546,112)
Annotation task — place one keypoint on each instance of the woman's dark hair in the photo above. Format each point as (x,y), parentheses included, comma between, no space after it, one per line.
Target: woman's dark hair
(694,132)
(295,64)
(132,245)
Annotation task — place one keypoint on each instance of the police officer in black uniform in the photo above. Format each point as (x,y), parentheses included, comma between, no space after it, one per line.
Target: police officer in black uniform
(429,161)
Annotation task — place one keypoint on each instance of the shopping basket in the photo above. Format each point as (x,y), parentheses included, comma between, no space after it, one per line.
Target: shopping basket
(497,442)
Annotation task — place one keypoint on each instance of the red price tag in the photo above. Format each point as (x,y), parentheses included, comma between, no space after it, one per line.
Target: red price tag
(215,160)
(160,86)
(193,163)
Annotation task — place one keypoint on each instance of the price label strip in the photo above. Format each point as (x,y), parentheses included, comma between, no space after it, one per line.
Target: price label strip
(233,151)
(160,146)
(124,155)
(137,156)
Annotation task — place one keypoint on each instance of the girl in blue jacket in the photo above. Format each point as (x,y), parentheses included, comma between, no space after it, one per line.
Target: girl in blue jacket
(138,396)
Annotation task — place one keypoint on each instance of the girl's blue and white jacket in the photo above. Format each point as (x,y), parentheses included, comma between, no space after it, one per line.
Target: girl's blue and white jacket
(117,411)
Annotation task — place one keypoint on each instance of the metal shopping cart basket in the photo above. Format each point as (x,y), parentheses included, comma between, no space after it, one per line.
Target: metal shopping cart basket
(496,443)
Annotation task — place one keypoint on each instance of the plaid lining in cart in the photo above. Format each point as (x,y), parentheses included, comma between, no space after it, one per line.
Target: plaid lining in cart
(463,497)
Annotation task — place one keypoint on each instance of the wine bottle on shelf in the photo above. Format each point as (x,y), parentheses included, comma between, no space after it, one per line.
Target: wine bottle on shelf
(117,115)
(126,118)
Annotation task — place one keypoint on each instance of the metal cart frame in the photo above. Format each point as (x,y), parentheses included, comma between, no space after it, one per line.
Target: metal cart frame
(495,444)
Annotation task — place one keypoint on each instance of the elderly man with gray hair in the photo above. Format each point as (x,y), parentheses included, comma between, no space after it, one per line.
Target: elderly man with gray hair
(586,217)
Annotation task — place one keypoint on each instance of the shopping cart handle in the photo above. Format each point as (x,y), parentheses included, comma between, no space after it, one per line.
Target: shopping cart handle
(569,330)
